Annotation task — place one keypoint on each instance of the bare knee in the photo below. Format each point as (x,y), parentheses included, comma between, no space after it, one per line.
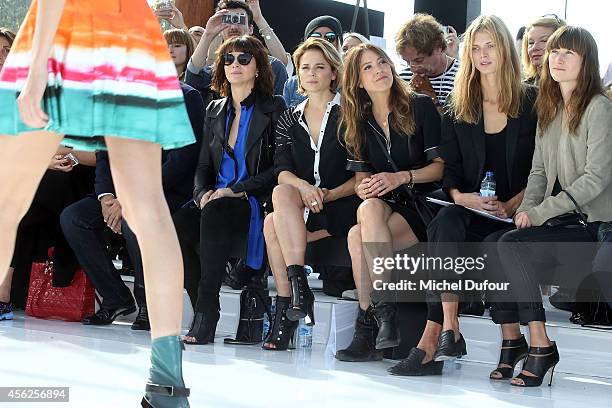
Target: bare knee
(269,229)
(354,240)
(284,195)
(145,213)
(371,211)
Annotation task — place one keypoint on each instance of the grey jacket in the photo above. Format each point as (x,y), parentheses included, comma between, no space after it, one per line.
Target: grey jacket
(582,162)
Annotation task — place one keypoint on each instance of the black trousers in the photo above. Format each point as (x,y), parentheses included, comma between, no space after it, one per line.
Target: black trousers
(456,224)
(208,239)
(522,265)
(86,231)
(602,267)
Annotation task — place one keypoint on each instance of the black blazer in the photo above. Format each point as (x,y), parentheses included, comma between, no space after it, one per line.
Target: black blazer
(463,148)
(259,147)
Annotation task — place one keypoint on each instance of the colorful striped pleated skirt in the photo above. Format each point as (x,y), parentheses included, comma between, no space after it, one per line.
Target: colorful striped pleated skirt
(110,74)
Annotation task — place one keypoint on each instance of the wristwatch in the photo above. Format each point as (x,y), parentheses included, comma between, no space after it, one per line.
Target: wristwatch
(266,33)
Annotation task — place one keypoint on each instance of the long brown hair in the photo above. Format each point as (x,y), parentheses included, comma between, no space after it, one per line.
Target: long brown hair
(466,98)
(356,103)
(550,101)
(530,71)
(264,83)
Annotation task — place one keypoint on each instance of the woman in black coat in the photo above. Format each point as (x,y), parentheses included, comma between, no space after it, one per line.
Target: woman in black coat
(488,125)
(233,181)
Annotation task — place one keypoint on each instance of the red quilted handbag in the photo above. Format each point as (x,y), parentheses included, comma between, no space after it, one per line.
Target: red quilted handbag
(71,303)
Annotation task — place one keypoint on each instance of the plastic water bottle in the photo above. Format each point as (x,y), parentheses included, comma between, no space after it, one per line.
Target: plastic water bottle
(308,269)
(304,335)
(487,187)
(266,321)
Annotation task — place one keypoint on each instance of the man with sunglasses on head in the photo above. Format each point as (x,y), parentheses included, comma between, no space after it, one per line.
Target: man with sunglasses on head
(325,27)
(245,13)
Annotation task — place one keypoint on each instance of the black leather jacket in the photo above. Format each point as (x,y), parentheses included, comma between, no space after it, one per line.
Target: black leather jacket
(259,146)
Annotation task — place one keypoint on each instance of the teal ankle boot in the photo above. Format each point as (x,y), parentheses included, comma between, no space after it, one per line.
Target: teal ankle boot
(166,388)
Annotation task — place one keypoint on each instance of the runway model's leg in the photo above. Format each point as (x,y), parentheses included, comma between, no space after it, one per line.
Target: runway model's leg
(136,171)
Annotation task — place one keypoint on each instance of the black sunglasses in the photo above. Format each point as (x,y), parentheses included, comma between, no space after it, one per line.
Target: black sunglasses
(243,59)
(331,37)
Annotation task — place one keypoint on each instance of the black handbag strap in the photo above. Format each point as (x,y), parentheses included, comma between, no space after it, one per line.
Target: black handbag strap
(583,218)
(383,146)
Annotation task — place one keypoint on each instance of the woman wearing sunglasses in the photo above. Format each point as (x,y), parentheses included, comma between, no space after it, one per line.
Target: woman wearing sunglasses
(315,196)
(233,181)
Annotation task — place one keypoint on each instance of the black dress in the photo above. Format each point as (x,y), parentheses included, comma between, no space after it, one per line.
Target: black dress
(322,165)
(409,152)
(495,161)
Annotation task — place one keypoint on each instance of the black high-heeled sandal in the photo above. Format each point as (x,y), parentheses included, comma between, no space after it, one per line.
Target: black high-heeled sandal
(539,361)
(302,298)
(282,330)
(203,328)
(511,353)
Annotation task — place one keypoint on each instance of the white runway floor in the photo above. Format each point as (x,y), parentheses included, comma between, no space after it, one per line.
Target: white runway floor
(107,367)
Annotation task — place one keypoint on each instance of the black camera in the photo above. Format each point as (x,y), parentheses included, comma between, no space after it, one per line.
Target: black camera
(234,18)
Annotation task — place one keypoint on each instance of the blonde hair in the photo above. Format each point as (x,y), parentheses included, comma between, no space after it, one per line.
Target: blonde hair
(357,105)
(331,55)
(530,71)
(550,101)
(466,99)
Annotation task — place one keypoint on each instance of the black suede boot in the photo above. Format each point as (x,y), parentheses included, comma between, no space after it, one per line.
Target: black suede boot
(362,348)
(388,332)
(204,323)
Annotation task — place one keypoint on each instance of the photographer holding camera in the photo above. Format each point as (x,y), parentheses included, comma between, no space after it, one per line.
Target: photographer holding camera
(235,18)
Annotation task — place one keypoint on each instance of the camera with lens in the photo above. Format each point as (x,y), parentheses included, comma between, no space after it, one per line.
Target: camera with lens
(234,18)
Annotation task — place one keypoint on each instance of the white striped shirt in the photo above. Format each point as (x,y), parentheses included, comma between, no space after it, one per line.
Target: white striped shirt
(443,84)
